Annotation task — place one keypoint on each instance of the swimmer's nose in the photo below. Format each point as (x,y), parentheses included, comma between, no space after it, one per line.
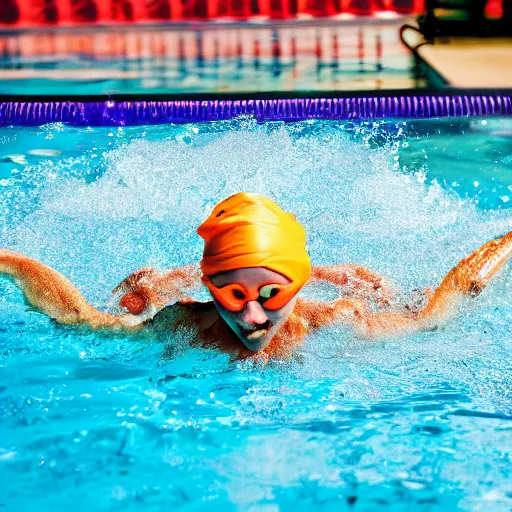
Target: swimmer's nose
(253,313)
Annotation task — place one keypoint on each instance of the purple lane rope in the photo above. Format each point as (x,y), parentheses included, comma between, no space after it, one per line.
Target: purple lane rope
(126,113)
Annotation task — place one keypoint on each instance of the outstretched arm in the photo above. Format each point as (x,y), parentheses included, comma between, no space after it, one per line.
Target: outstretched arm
(52,294)
(356,315)
(356,282)
(465,280)
(147,290)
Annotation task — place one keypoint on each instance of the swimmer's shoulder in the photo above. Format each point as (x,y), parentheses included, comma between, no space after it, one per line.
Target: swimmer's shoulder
(184,314)
(309,313)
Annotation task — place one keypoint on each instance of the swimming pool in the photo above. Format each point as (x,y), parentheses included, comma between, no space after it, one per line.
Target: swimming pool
(205,58)
(95,423)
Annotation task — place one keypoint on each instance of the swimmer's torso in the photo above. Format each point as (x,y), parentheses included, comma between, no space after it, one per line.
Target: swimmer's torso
(201,325)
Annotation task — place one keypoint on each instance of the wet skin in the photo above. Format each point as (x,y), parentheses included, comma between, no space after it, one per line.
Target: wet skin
(272,333)
(254,325)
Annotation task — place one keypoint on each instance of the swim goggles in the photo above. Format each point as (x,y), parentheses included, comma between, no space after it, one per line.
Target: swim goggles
(235,296)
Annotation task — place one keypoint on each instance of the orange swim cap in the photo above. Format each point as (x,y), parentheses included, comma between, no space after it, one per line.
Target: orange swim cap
(250,230)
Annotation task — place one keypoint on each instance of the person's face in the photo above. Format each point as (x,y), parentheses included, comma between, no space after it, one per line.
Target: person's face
(254,325)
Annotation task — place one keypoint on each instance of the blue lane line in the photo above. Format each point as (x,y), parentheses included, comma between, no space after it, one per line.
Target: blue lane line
(127,113)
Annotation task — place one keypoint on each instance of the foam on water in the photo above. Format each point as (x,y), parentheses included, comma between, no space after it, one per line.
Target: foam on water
(151,195)
(134,197)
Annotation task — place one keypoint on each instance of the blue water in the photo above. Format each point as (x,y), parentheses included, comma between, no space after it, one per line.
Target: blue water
(121,423)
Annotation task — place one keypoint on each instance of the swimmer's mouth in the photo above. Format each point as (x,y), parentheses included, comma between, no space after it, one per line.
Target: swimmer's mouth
(256,332)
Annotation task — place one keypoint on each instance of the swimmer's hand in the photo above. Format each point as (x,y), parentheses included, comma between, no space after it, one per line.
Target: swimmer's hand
(147,291)
(136,294)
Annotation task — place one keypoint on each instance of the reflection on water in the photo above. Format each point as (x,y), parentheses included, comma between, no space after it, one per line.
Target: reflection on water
(213,59)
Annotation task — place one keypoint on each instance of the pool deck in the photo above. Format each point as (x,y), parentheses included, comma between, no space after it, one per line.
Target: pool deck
(471,62)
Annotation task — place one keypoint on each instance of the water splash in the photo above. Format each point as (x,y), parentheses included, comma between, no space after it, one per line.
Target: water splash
(326,422)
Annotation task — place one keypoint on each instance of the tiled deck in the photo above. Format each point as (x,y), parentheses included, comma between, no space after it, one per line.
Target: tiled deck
(471,62)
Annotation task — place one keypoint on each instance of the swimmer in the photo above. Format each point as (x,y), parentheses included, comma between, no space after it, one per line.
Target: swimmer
(254,264)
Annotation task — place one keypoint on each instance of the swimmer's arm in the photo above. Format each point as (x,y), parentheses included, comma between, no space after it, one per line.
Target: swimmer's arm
(357,282)
(356,315)
(52,294)
(465,280)
(147,290)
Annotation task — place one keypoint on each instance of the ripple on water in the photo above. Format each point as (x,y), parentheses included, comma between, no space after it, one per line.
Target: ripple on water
(104,423)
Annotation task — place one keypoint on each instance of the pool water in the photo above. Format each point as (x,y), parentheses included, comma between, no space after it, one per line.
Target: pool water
(102,423)
(213,58)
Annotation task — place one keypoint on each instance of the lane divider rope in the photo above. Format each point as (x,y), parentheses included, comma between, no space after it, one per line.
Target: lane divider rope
(128,113)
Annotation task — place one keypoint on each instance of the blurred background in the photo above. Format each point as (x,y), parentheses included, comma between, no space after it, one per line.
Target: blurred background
(244,46)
